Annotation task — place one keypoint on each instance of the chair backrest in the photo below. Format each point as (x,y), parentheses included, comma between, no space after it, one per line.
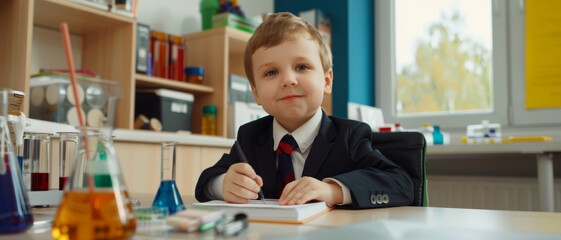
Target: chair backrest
(407,150)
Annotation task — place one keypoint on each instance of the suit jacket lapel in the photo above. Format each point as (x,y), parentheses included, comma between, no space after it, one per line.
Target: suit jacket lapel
(266,160)
(321,147)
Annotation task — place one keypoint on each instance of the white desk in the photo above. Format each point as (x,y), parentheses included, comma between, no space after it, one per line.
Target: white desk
(468,220)
(544,156)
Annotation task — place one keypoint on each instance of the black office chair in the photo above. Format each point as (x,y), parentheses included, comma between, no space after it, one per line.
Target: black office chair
(407,150)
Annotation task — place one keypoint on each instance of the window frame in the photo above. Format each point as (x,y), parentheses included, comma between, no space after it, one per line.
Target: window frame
(385,69)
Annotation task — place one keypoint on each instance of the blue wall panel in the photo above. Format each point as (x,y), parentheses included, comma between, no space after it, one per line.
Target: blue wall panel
(361,52)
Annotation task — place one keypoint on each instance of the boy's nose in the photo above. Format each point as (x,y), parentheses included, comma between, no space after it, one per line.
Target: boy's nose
(289,80)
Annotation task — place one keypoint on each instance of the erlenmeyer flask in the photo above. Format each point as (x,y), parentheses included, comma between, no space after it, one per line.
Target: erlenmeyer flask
(15,212)
(96,203)
(168,195)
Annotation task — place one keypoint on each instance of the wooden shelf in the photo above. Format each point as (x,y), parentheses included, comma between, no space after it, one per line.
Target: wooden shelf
(80,17)
(220,51)
(152,82)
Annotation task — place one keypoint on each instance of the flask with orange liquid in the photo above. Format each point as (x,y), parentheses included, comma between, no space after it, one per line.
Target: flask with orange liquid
(96,203)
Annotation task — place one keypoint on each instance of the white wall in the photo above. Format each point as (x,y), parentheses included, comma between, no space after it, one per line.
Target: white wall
(179,17)
(176,17)
(47,50)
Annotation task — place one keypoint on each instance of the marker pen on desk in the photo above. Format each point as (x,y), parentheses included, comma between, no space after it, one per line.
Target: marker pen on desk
(233,225)
(244,160)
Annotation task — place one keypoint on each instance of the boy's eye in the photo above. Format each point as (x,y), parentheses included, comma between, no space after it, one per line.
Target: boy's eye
(271,73)
(301,67)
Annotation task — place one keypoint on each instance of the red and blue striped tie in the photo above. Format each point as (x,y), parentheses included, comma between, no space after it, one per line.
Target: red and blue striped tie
(285,170)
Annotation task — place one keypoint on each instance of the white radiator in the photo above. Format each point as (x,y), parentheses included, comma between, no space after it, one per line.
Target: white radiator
(487,193)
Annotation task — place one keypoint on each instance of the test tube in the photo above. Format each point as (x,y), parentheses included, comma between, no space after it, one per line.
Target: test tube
(26,161)
(67,154)
(40,161)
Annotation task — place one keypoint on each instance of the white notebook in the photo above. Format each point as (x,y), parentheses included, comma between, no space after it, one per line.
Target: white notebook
(271,211)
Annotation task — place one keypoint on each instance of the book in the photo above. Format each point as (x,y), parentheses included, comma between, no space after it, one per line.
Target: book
(271,211)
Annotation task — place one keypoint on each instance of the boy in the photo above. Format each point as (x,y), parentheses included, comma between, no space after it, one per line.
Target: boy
(298,154)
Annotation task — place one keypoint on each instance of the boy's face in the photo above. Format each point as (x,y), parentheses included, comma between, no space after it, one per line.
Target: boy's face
(290,81)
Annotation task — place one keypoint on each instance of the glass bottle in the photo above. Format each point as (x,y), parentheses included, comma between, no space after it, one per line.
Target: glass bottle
(176,57)
(159,48)
(437,135)
(15,212)
(168,195)
(209,120)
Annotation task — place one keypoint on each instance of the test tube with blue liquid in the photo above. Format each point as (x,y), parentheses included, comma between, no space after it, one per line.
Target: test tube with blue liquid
(168,195)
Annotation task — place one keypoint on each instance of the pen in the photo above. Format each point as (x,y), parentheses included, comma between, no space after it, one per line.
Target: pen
(244,160)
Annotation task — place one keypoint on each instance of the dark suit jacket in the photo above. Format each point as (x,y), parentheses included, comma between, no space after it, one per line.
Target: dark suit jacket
(341,150)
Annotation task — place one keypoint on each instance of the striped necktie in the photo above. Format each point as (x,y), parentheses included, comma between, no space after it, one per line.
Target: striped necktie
(285,170)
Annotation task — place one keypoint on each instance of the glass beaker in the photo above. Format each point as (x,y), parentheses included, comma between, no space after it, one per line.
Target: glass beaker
(96,203)
(67,154)
(168,195)
(40,161)
(15,212)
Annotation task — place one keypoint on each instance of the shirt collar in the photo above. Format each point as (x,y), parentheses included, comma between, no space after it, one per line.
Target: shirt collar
(304,135)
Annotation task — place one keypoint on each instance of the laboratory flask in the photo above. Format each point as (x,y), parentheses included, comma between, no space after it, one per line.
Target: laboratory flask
(15,212)
(168,195)
(96,203)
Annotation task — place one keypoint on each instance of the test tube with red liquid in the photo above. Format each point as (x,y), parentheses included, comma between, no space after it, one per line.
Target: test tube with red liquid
(40,161)
(67,154)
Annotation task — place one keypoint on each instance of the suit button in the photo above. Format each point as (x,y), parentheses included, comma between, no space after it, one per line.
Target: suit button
(385,198)
(379,199)
(373,199)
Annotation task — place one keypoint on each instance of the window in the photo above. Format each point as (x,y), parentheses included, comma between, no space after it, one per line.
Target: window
(502,97)
(441,61)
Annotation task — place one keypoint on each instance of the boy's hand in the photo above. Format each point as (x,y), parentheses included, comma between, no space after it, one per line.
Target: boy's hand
(307,189)
(239,185)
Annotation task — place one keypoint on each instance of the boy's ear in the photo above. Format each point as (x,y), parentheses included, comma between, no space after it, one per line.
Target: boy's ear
(328,82)
(255,95)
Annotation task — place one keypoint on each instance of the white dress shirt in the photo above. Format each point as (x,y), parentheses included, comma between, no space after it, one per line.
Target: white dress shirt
(304,136)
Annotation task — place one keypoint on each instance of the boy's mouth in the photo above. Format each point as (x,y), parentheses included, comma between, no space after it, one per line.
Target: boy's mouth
(290,97)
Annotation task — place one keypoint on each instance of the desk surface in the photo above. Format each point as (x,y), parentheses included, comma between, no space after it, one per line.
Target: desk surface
(493,220)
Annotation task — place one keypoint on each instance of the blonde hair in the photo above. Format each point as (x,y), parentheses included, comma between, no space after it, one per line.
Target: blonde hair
(279,27)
